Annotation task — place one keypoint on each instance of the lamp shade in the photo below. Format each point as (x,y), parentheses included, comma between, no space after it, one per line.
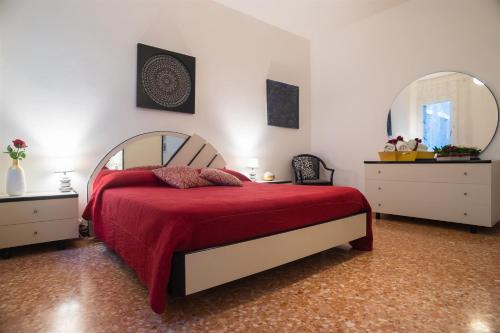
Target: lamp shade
(63,165)
(253,163)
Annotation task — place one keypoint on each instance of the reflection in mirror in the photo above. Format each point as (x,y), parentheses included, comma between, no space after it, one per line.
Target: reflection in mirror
(116,162)
(445,108)
(170,146)
(149,151)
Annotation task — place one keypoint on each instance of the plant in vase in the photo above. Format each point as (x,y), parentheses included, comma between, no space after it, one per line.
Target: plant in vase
(450,152)
(16,183)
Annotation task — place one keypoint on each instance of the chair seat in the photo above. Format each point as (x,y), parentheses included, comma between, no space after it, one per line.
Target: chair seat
(315,182)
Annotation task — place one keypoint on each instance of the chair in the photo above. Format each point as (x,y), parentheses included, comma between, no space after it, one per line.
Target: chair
(307,170)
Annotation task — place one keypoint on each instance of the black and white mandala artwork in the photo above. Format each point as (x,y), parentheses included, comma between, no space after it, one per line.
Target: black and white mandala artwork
(165,80)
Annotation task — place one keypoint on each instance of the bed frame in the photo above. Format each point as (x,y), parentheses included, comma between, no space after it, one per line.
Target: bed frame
(199,270)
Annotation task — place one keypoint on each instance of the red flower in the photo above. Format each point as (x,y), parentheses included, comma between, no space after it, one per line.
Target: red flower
(19,144)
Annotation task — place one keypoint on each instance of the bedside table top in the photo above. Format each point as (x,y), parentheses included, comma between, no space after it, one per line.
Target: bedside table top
(275,181)
(38,196)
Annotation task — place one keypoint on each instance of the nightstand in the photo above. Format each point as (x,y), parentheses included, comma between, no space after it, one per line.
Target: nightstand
(276,181)
(37,218)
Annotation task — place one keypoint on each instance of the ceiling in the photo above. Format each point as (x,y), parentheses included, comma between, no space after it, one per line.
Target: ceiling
(310,18)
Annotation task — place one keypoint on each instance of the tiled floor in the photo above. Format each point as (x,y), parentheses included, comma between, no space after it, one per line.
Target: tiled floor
(421,277)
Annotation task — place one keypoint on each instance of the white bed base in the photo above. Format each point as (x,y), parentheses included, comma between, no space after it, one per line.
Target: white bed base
(196,271)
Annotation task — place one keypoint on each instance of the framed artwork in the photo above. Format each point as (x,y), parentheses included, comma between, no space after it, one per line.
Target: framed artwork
(282,104)
(165,80)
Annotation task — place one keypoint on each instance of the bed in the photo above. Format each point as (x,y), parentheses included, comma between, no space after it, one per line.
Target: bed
(183,241)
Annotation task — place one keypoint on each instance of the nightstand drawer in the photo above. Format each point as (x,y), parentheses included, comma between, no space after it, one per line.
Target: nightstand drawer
(38,210)
(38,232)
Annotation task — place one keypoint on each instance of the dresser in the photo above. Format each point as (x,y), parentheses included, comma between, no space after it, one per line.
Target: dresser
(37,218)
(463,192)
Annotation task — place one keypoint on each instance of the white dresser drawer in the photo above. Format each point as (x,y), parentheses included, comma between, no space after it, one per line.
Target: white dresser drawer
(422,193)
(38,210)
(443,211)
(38,232)
(437,172)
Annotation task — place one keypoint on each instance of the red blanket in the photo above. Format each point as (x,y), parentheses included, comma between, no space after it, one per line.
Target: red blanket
(145,221)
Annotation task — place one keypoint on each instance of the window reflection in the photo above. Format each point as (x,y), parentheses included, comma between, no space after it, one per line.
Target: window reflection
(436,124)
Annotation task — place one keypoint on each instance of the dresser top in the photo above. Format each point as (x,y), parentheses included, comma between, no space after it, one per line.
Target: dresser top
(429,162)
(38,196)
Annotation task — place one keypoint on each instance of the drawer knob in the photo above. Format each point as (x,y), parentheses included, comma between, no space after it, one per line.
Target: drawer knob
(465,214)
(35,233)
(35,211)
(465,173)
(379,172)
(465,193)
(379,188)
(380,205)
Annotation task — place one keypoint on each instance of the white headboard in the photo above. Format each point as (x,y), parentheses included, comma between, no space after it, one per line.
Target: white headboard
(194,151)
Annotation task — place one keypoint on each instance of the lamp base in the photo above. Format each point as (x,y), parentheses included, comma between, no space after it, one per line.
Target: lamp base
(65,185)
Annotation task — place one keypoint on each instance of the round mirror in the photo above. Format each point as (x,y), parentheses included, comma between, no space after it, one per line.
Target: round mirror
(445,108)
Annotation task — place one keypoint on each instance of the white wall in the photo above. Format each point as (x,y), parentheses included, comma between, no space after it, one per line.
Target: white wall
(358,69)
(68,71)
(67,75)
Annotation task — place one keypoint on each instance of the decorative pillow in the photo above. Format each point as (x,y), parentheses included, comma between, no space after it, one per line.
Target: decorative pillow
(220,177)
(181,177)
(237,174)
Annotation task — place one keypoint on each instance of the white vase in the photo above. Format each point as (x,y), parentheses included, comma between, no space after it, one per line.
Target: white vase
(16,182)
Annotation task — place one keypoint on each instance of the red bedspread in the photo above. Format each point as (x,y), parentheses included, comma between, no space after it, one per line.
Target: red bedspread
(145,221)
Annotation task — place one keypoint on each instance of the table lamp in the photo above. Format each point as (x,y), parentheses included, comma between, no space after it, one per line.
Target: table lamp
(253,164)
(64,166)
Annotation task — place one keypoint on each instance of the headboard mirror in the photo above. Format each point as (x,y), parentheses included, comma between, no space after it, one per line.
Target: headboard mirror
(150,150)
(445,108)
(160,148)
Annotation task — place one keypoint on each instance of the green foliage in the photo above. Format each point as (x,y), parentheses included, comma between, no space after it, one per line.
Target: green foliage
(16,154)
(450,150)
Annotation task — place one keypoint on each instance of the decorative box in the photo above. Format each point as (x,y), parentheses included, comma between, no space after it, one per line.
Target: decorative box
(398,156)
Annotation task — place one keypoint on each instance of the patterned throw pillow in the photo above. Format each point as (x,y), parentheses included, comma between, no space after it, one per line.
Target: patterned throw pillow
(220,177)
(181,177)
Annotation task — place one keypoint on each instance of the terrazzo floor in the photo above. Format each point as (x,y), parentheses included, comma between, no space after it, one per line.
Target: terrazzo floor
(421,277)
